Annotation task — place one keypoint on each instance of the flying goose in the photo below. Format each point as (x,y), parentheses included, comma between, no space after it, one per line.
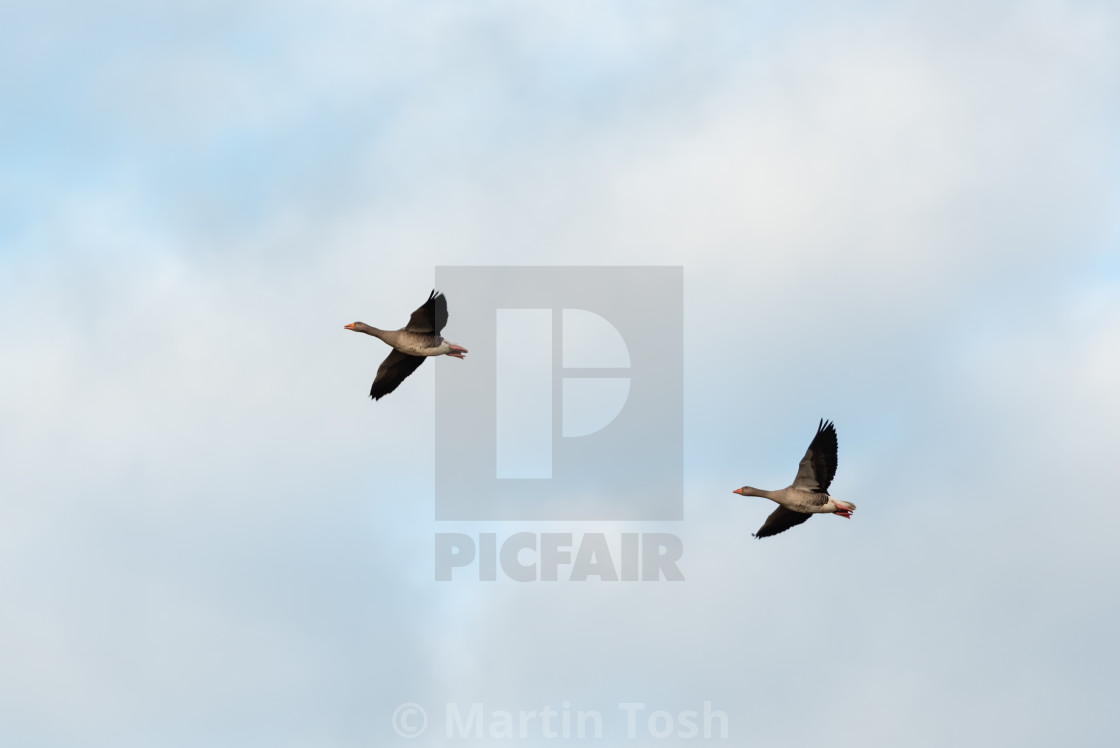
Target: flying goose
(411,344)
(809,493)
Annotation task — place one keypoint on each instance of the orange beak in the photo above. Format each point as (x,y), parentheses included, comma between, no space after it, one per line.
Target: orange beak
(350,326)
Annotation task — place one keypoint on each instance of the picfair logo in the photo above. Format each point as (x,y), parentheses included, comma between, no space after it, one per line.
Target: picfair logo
(571,405)
(525,388)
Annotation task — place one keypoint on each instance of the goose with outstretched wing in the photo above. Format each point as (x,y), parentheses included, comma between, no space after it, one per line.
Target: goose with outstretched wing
(414,342)
(808,494)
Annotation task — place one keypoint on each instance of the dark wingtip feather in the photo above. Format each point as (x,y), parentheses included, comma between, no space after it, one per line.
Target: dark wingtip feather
(824,447)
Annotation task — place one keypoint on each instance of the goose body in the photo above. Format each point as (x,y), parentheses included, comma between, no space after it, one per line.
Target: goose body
(808,494)
(411,344)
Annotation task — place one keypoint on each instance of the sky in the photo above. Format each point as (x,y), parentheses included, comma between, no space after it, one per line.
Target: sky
(899,216)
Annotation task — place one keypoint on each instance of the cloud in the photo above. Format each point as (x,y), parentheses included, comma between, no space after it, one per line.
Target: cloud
(890,218)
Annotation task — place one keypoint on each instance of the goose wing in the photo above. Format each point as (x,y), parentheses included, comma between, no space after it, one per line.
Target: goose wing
(780,520)
(818,466)
(393,370)
(430,317)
